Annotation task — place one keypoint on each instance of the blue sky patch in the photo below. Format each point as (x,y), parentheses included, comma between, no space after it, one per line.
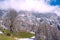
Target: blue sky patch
(1,0)
(55,2)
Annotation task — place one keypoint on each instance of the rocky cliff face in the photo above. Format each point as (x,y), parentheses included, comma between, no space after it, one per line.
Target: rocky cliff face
(30,20)
(27,20)
(48,28)
(47,32)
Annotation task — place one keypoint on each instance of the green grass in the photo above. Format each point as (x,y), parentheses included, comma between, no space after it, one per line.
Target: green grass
(24,35)
(5,31)
(21,34)
(4,37)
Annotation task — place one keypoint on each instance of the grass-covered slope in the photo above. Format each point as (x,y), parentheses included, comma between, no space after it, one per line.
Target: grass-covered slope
(4,37)
(24,35)
(7,35)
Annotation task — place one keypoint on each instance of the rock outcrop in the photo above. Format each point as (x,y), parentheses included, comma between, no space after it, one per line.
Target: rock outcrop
(47,32)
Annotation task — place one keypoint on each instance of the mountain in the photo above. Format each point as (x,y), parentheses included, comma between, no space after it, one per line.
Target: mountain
(30,21)
(48,16)
(2,12)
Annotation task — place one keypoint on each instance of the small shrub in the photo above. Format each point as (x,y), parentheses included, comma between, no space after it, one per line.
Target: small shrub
(6,32)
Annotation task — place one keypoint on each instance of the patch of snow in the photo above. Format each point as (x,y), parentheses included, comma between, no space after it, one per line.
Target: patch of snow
(25,39)
(33,37)
(1,32)
(32,32)
(3,26)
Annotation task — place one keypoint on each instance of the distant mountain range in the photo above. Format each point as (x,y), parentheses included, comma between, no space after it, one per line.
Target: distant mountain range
(49,16)
(2,12)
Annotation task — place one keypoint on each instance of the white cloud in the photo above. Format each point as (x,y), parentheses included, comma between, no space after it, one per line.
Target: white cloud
(35,5)
(57,11)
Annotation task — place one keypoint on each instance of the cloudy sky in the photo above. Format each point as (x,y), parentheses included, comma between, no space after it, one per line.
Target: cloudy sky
(32,5)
